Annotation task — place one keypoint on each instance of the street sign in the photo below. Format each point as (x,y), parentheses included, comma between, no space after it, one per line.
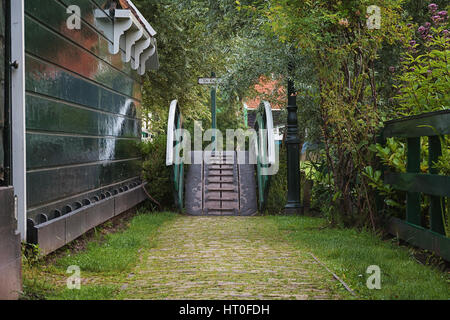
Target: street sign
(207,81)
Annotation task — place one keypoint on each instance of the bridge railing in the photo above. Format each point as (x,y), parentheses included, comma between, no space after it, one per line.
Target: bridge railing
(265,151)
(173,147)
(433,125)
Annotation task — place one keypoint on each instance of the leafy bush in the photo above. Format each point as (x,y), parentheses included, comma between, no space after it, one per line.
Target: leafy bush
(443,163)
(322,191)
(155,171)
(422,86)
(277,197)
(423,82)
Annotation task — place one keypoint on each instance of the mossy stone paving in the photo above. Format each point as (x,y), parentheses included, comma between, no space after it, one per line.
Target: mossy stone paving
(226,258)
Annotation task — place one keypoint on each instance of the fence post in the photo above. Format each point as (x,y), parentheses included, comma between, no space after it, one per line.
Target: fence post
(413,166)
(436,202)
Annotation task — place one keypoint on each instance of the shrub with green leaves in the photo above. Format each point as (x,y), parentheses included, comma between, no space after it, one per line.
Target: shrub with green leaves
(424,80)
(155,172)
(277,197)
(424,77)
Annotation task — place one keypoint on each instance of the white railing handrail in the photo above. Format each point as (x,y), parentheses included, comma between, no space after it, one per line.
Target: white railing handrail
(171,132)
(270,135)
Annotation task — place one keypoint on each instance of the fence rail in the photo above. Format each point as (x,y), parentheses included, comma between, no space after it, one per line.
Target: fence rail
(433,125)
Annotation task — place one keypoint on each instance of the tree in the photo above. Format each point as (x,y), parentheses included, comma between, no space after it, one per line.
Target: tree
(186,52)
(341,50)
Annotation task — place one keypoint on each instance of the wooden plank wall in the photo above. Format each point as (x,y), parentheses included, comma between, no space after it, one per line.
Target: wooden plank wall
(82,109)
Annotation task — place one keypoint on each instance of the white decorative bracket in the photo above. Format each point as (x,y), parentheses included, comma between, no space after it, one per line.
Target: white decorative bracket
(139,48)
(123,32)
(126,32)
(131,38)
(149,52)
(104,23)
(123,20)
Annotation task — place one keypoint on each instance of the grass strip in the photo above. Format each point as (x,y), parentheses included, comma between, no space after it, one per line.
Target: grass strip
(349,253)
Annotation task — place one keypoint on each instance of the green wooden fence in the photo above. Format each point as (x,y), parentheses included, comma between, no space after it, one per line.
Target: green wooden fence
(431,125)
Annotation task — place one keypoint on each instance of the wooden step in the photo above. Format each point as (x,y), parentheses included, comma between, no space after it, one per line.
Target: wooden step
(220,163)
(221,199)
(222,195)
(221,189)
(220,174)
(221,158)
(222,213)
(221,209)
(225,178)
(221,167)
(221,181)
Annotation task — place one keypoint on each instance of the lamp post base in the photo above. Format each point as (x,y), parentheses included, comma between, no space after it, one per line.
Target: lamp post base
(293,209)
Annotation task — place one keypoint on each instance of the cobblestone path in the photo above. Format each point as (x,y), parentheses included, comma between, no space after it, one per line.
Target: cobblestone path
(226,258)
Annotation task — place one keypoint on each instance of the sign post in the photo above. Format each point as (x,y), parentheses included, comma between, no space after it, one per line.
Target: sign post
(212,82)
(213,111)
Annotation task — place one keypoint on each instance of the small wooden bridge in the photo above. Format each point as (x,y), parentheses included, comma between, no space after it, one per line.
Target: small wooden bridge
(220,186)
(221,183)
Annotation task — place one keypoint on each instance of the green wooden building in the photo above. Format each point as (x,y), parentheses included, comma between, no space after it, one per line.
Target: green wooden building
(69,131)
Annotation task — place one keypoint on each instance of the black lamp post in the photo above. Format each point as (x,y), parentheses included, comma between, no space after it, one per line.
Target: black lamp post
(293,151)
